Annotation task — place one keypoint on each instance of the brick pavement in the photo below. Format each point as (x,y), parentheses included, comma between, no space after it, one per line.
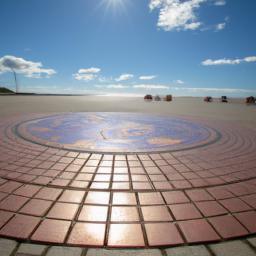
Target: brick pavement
(57,196)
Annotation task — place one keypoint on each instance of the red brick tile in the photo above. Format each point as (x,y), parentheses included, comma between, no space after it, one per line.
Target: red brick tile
(36,207)
(150,198)
(175,197)
(124,214)
(4,217)
(185,211)
(199,195)
(27,190)
(211,208)
(97,198)
(250,199)
(10,186)
(181,184)
(141,186)
(13,203)
(53,231)
(121,185)
(198,231)
(227,226)
(123,198)
(220,193)
(20,226)
(79,184)
(93,213)
(156,213)
(125,235)
(160,234)
(102,177)
(90,234)
(248,219)
(235,205)
(99,185)
(72,196)
(65,211)
(48,193)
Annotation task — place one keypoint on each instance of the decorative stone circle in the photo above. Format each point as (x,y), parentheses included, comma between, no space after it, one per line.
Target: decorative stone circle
(116,132)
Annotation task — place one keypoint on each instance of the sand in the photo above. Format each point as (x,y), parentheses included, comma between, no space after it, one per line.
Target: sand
(235,110)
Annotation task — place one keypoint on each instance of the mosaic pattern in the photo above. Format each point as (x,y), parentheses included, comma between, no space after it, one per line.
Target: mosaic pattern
(116,132)
(60,196)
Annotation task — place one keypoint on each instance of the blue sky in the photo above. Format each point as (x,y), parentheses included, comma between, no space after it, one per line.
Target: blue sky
(183,47)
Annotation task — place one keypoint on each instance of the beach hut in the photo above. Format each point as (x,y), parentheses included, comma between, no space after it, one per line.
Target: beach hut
(157,98)
(148,97)
(224,99)
(250,100)
(168,97)
(208,99)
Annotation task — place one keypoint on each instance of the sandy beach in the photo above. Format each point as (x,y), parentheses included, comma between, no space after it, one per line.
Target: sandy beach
(236,110)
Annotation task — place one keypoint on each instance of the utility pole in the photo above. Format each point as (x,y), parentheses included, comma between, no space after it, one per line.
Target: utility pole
(15,79)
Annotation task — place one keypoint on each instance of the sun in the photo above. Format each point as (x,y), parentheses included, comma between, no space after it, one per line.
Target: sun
(116,6)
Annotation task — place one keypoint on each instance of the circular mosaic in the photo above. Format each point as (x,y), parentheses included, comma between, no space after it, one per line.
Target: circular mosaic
(116,132)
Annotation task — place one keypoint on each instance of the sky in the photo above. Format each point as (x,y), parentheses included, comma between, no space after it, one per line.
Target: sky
(117,47)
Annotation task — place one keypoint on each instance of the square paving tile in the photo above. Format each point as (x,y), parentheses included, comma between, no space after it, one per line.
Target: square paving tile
(211,208)
(72,196)
(97,198)
(21,226)
(160,234)
(151,198)
(36,207)
(91,234)
(199,195)
(48,193)
(250,199)
(53,231)
(196,231)
(93,213)
(124,214)
(13,203)
(175,197)
(125,235)
(156,213)
(65,211)
(185,211)
(227,226)
(248,219)
(4,217)
(123,198)
(220,193)
(121,185)
(27,190)
(235,205)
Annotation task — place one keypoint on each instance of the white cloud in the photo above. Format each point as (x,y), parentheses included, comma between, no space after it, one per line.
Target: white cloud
(220,2)
(250,59)
(28,68)
(147,77)
(89,70)
(84,77)
(87,74)
(221,26)
(151,86)
(116,86)
(124,77)
(177,14)
(210,62)
(179,82)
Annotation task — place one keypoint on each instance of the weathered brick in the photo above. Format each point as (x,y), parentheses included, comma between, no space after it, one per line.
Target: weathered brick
(7,247)
(237,248)
(199,250)
(103,252)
